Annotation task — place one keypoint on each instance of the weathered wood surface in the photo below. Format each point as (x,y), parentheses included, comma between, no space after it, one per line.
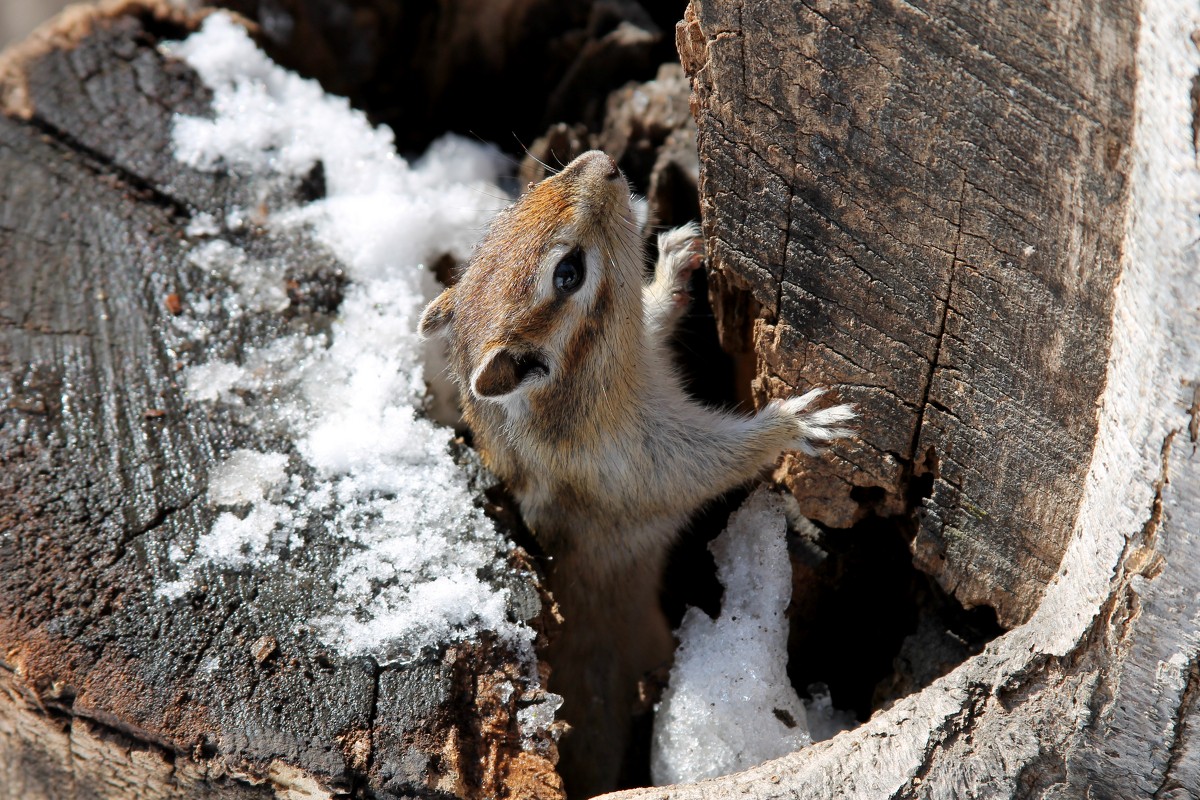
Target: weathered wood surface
(650,132)
(908,171)
(927,201)
(108,689)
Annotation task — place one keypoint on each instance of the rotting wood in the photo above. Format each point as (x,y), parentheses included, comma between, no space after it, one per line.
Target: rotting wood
(502,70)
(107,689)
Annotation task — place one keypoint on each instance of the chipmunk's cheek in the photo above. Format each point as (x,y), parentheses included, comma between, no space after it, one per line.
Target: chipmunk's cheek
(505,370)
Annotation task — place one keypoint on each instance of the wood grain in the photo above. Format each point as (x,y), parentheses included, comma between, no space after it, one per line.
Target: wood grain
(109,689)
(926,199)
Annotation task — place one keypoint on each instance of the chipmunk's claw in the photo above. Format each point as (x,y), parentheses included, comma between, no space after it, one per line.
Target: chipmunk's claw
(816,429)
(680,253)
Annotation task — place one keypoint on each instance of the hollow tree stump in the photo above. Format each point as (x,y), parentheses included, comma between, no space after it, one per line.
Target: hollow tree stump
(979,226)
(108,688)
(980,222)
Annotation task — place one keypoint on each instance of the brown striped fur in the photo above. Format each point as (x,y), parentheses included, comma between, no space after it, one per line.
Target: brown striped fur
(606,454)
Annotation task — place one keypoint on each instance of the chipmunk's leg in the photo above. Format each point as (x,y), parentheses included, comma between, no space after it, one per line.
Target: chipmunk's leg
(614,633)
(680,253)
(706,452)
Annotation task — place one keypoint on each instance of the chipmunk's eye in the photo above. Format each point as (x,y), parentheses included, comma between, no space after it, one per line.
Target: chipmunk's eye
(569,273)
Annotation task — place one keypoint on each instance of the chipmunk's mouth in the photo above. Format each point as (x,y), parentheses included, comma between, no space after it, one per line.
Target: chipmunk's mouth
(529,366)
(504,371)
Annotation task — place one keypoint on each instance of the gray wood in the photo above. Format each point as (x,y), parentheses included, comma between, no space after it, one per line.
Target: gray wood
(926,201)
(103,465)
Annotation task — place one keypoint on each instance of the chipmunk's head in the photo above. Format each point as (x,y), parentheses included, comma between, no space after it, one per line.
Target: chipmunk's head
(551,291)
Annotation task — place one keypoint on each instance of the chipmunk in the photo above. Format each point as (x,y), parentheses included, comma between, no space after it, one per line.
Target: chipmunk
(561,353)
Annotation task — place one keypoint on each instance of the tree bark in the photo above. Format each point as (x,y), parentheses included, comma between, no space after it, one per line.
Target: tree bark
(927,203)
(107,689)
(980,222)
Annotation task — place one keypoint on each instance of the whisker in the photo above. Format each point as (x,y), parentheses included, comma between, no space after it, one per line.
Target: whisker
(502,153)
(547,167)
(499,197)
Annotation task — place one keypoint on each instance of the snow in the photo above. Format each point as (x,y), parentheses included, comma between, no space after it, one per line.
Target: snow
(260,284)
(212,381)
(357,457)
(237,540)
(825,721)
(729,704)
(360,462)
(246,477)
(202,224)
(538,716)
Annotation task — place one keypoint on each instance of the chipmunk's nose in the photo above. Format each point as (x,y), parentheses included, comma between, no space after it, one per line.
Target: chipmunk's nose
(595,164)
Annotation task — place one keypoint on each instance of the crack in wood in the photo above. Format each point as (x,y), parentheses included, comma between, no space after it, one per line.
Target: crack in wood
(1113,630)
(100,758)
(1194,412)
(923,403)
(1139,556)
(952,729)
(1186,710)
(36,330)
(102,164)
(360,780)
(787,240)
(161,515)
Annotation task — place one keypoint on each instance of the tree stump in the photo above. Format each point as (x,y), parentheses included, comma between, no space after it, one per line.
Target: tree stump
(979,221)
(108,687)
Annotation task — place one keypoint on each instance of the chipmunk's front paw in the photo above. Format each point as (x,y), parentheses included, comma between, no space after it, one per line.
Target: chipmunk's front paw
(816,428)
(680,253)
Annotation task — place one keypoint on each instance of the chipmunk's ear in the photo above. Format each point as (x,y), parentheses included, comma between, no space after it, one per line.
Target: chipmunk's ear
(437,315)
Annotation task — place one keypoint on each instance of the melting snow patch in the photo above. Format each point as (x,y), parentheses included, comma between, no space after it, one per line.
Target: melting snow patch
(212,381)
(366,468)
(246,477)
(260,285)
(730,705)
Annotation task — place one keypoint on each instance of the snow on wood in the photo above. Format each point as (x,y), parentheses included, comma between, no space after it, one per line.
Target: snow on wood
(962,192)
(234,552)
(729,704)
